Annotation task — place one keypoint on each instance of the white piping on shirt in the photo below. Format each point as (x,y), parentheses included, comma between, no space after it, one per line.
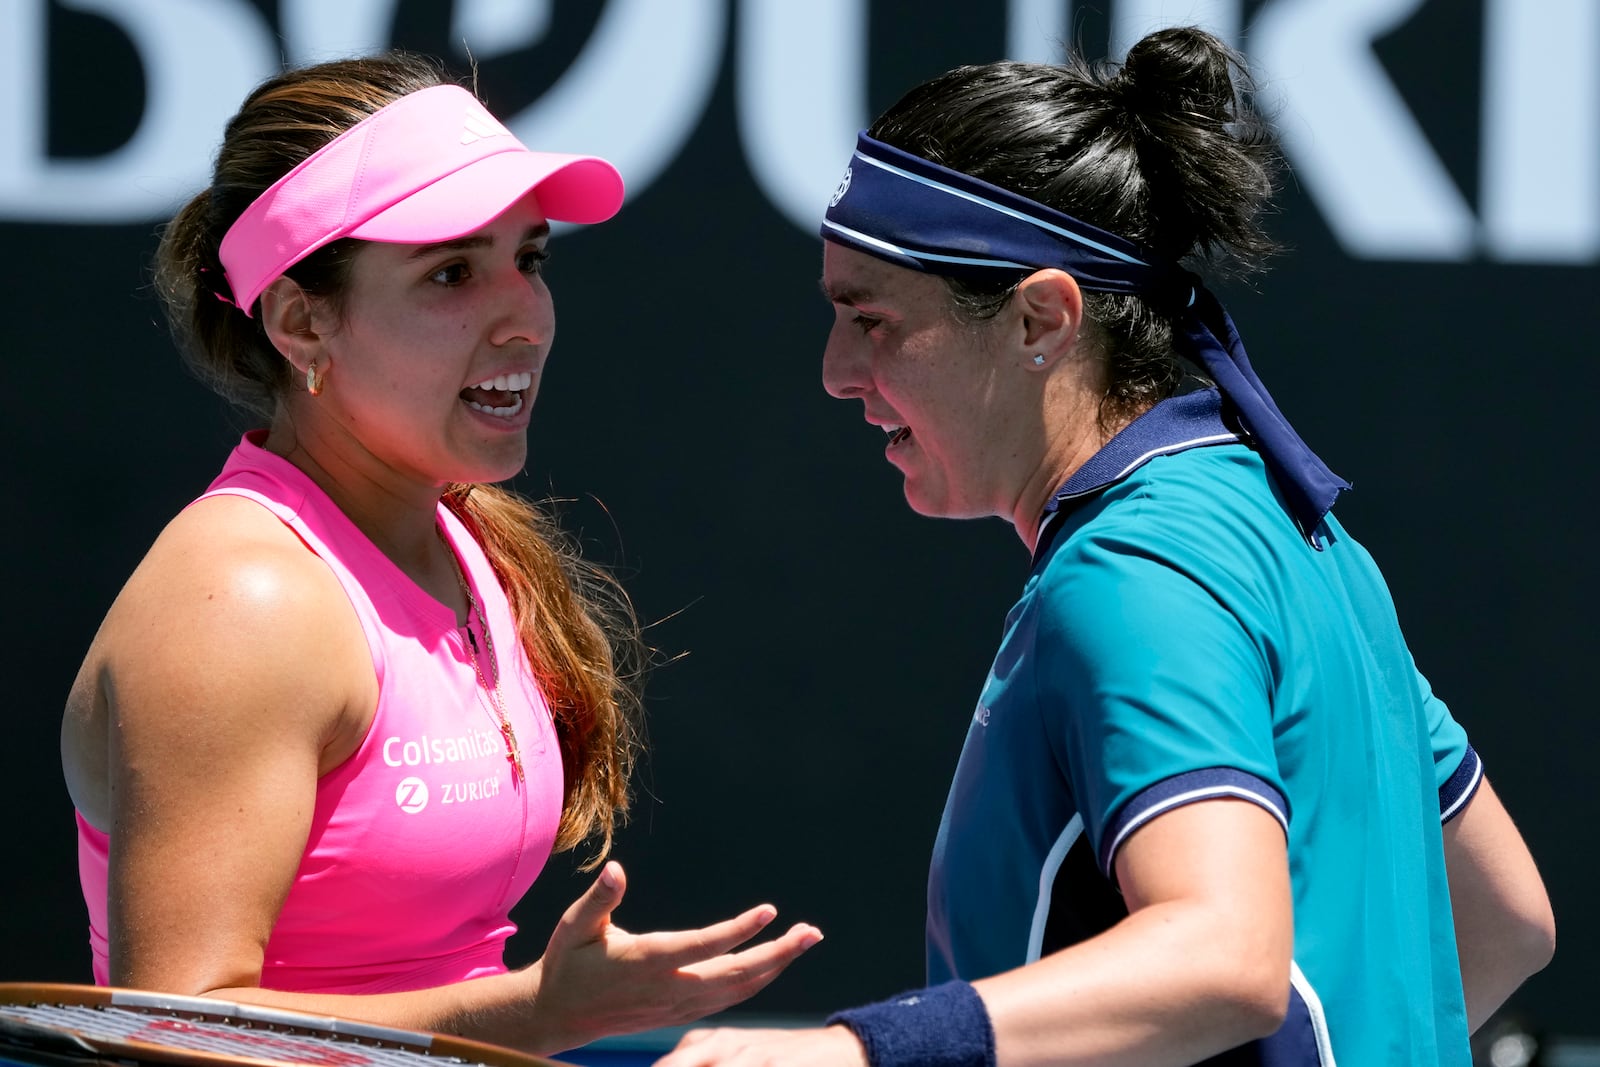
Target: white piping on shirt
(1047,881)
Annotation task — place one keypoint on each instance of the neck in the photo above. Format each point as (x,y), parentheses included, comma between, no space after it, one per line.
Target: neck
(397,516)
(1075,432)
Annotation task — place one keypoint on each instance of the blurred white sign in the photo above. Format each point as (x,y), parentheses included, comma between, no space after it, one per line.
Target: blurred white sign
(641,85)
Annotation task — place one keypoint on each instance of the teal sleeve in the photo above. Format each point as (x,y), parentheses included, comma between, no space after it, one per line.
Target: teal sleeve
(1457,768)
(1145,676)
(1449,738)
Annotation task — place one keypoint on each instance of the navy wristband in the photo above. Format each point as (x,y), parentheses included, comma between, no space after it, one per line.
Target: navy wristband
(941,1026)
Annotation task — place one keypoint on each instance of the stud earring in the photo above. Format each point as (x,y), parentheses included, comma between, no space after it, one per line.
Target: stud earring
(1038,360)
(313,382)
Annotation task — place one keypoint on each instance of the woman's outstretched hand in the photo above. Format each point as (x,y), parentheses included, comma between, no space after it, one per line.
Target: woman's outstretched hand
(595,978)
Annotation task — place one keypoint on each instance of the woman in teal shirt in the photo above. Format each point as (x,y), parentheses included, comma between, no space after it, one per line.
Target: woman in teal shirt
(1208,809)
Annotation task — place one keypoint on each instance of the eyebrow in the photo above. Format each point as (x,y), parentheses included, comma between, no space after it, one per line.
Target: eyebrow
(850,296)
(477,240)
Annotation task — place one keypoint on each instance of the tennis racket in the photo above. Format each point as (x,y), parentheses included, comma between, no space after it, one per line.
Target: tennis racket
(72,1024)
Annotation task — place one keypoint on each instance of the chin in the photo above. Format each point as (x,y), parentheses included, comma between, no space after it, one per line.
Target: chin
(489,471)
(500,475)
(943,507)
(923,506)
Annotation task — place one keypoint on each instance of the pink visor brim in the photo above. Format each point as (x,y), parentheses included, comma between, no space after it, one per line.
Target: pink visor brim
(568,189)
(432,166)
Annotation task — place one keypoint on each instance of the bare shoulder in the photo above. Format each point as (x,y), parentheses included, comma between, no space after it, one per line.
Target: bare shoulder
(229,564)
(230,629)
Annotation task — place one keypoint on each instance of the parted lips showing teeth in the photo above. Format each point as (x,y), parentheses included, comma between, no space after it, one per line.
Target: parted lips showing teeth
(505,382)
(500,395)
(896,433)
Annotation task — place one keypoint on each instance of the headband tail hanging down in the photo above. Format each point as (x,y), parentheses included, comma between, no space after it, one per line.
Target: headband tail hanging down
(1308,486)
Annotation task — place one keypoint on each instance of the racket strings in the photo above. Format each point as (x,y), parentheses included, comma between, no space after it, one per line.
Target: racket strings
(240,1040)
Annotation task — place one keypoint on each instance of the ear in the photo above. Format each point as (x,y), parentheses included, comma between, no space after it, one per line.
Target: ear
(1050,305)
(292,320)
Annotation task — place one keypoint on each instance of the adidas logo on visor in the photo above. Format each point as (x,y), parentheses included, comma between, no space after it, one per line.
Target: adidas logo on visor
(478,126)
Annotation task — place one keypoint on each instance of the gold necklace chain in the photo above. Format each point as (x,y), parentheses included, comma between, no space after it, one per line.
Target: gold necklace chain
(513,752)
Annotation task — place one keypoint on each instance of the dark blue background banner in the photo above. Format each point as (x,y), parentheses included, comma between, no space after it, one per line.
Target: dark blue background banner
(1425,332)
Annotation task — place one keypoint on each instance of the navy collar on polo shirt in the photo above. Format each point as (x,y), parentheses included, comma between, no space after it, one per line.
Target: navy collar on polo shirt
(1177,424)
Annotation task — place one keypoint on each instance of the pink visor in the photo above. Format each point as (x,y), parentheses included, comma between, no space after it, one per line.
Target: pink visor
(432,166)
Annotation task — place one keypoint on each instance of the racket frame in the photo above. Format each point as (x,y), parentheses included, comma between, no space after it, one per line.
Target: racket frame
(57,1041)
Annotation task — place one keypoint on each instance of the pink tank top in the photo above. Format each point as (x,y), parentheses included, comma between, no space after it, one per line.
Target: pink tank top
(421,841)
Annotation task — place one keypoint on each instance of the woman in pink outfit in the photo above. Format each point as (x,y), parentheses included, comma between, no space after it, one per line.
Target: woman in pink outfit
(355,695)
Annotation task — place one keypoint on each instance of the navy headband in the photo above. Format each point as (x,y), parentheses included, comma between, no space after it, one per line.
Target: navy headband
(916,214)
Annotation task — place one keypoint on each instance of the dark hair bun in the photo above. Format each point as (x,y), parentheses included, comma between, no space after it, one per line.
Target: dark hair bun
(1163,150)
(1205,157)
(1185,71)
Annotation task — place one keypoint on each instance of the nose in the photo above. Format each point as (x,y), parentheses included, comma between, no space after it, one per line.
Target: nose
(844,363)
(524,310)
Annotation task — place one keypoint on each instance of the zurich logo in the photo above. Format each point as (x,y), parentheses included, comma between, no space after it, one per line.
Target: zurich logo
(411,795)
(844,187)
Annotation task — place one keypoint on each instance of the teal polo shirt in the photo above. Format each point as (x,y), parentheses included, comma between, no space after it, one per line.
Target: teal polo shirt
(1179,640)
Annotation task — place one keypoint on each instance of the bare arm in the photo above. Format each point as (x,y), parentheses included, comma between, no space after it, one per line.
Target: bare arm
(595,979)
(1505,930)
(230,673)
(1200,965)
(229,676)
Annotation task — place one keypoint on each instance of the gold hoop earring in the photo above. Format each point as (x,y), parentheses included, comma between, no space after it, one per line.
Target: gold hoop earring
(313,382)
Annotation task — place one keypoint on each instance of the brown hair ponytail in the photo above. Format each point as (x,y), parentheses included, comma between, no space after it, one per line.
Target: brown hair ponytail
(582,638)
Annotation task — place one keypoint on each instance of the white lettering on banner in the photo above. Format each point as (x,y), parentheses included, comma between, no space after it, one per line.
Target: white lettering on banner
(633,95)
(1037,31)
(1541,130)
(200,57)
(1132,19)
(498,27)
(801,75)
(315,30)
(642,82)
(637,91)
(1349,136)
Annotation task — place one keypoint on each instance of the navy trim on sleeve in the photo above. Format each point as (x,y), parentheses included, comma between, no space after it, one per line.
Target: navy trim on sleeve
(1211,783)
(1461,786)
